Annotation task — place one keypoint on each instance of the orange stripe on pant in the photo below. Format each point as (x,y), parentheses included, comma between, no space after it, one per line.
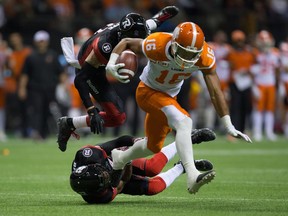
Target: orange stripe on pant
(267,98)
(156,124)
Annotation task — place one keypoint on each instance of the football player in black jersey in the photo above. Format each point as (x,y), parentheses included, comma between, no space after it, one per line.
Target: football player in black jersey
(92,167)
(91,74)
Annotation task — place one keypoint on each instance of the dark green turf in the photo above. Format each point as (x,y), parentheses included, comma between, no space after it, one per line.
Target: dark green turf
(251,179)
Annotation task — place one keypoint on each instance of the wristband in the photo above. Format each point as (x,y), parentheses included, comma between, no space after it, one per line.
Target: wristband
(226,120)
(113,58)
(152,25)
(90,108)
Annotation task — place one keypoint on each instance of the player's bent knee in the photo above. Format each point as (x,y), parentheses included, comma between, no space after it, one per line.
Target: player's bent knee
(156,185)
(119,119)
(184,125)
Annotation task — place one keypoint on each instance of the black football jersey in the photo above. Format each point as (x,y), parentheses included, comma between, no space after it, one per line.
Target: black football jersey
(102,42)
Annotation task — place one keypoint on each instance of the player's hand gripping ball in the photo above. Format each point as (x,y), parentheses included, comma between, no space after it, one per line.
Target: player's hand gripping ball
(129,58)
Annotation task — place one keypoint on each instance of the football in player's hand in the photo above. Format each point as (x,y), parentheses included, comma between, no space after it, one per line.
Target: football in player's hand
(129,58)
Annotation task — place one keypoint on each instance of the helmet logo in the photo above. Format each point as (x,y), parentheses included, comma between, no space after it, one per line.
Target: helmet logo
(106,47)
(87,152)
(126,24)
(80,170)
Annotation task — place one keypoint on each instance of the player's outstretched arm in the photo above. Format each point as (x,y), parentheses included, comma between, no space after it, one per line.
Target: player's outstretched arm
(219,102)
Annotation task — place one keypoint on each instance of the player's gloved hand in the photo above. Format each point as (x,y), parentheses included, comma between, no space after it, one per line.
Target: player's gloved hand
(96,121)
(232,131)
(112,69)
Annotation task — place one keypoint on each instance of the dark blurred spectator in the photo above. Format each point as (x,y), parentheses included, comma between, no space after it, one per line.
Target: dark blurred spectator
(284,82)
(41,74)
(15,109)
(278,19)
(240,59)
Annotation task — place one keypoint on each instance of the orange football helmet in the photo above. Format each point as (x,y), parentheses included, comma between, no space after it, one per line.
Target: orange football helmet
(264,40)
(187,44)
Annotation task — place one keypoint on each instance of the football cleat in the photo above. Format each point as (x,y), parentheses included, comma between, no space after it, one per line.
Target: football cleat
(201,165)
(202,179)
(202,135)
(64,133)
(165,14)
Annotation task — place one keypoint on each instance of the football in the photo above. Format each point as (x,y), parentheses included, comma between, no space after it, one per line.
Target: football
(129,58)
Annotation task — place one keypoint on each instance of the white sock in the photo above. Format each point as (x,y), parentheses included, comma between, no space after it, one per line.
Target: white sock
(185,150)
(80,122)
(257,124)
(172,174)
(269,124)
(169,151)
(138,150)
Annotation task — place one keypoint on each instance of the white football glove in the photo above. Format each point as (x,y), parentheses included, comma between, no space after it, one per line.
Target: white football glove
(232,131)
(112,69)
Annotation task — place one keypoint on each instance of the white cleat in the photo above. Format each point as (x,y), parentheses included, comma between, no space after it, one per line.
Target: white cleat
(202,179)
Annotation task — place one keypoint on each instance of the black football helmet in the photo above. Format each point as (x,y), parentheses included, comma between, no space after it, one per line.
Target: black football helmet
(133,25)
(89,179)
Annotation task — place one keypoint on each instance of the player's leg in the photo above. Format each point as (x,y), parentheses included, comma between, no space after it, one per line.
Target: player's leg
(177,118)
(103,92)
(139,185)
(269,114)
(258,115)
(153,166)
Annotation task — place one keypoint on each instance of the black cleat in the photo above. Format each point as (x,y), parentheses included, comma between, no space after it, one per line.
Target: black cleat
(201,165)
(165,14)
(64,133)
(116,176)
(202,135)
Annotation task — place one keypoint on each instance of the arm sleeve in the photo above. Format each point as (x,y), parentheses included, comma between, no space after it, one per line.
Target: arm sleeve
(80,82)
(117,143)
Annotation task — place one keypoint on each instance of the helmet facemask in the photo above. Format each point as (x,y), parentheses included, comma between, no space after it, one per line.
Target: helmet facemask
(187,44)
(89,179)
(185,57)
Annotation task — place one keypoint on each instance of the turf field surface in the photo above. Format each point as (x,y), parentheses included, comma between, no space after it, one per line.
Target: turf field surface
(251,179)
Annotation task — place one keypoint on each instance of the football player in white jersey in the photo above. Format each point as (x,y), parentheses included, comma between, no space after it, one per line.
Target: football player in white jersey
(171,59)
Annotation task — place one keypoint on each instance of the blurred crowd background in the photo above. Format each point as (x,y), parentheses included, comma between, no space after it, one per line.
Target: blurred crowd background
(249,38)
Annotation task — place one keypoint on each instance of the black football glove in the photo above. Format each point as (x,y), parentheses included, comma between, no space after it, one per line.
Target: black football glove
(96,121)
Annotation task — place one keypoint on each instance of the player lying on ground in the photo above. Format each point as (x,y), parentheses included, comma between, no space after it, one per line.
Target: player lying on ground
(92,166)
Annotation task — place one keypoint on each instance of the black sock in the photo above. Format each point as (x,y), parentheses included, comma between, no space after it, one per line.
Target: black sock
(70,123)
